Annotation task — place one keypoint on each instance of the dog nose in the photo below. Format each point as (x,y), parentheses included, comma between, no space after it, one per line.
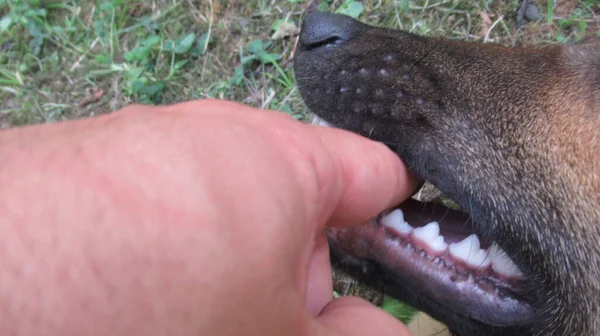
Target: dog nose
(323,28)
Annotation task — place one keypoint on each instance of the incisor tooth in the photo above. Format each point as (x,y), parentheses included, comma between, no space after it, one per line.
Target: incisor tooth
(430,234)
(501,263)
(438,244)
(316,120)
(395,220)
(468,251)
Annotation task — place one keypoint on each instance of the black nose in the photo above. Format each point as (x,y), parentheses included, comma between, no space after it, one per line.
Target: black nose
(323,28)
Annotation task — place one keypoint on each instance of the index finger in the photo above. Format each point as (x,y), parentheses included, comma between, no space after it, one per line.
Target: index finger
(371,178)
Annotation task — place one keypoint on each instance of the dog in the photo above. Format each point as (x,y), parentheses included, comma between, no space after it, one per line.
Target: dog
(511,135)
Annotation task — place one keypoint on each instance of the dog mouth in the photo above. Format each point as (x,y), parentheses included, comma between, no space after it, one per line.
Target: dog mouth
(439,253)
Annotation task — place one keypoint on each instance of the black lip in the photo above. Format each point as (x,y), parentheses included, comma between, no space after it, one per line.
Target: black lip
(484,299)
(375,82)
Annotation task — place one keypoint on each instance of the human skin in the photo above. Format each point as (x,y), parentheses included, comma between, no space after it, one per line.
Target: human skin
(201,218)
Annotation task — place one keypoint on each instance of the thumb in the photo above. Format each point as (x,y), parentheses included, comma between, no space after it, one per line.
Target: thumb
(350,316)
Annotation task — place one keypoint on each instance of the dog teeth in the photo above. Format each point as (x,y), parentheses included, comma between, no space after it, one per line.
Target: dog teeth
(395,220)
(469,252)
(318,121)
(502,264)
(430,235)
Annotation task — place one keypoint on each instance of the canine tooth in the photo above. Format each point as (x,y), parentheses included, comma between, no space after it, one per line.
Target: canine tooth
(395,220)
(427,233)
(501,263)
(468,251)
(430,234)
(318,121)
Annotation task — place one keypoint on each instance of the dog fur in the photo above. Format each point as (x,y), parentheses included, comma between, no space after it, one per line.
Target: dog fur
(510,134)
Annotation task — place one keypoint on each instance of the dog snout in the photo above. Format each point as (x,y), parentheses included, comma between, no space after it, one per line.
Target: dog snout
(321,29)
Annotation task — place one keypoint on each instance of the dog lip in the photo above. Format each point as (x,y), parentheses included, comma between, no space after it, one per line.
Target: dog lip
(498,303)
(500,306)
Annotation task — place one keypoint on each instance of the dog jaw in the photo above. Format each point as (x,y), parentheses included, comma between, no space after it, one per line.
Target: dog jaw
(510,134)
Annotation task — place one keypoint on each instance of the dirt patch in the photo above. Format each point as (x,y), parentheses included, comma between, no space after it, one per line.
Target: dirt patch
(563,8)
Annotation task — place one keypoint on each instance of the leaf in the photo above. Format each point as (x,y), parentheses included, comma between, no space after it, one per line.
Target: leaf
(149,23)
(107,6)
(351,8)
(285,108)
(257,47)
(36,45)
(248,59)
(135,73)
(184,44)
(34,29)
(276,24)
(151,41)
(202,46)
(111,5)
(35,12)
(179,64)
(168,46)
(141,54)
(266,58)
(400,310)
(5,23)
(355,9)
(138,85)
(154,88)
(238,76)
(104,58)
(323,6)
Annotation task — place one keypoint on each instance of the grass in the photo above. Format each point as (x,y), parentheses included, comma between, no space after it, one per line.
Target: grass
(61,60)
(68,59)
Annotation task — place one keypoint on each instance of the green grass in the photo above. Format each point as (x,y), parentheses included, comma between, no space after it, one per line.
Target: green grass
(56,55)
(70,59)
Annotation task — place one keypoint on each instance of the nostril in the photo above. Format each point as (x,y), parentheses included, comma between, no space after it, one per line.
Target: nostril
(324,29)
(318,44)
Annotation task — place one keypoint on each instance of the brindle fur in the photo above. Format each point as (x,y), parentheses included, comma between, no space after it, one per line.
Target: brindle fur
(511,134)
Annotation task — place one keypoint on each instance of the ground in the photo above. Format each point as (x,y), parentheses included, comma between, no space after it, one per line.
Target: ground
(74,59)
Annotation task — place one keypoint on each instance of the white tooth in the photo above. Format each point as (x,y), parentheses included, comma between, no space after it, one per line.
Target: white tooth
(468,251)
(316,120)
(430,234)
(395,220)
(439,245)
(502,264)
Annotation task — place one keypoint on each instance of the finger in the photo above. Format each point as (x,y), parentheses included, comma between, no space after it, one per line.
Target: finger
(359,177)
(350,316)
(372,177)
(319,290)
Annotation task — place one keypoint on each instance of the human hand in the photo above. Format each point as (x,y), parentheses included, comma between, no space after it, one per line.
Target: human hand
(202,218)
